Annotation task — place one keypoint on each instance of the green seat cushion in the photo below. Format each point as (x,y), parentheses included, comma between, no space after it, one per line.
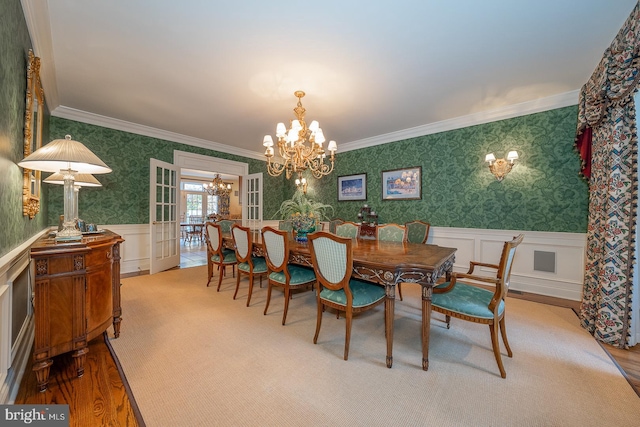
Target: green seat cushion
(298,275)
(466,299)
(229,257)
(363,294)
(259,265)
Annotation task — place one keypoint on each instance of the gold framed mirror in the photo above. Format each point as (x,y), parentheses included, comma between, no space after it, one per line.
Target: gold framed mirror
(33,119)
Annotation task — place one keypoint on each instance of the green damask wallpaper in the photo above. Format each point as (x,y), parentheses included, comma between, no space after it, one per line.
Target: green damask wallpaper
(543,192)
(124,195)
(14,48)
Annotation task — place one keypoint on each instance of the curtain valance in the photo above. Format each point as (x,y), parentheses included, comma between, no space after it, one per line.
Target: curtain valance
(613,83)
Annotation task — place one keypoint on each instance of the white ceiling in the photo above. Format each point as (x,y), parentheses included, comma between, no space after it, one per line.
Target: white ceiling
(222,74)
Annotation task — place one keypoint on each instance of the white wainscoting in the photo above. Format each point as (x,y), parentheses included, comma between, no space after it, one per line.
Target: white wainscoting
(472,244)
(134,252)
(486,245)
(14,356)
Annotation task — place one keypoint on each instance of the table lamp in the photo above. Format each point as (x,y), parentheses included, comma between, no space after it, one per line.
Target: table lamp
(81,180)
(69,158)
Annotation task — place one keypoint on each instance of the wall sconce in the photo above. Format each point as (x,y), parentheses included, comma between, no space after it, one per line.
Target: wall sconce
(301,183)
(501,167)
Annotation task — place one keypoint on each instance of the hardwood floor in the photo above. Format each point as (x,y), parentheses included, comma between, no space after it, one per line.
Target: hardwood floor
(98,398)
(101,396)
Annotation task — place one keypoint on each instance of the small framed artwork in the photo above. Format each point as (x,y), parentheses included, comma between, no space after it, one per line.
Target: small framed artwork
(402,184)
(352,187)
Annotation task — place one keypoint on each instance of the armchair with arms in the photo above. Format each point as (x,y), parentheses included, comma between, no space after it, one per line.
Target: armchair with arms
(472,303)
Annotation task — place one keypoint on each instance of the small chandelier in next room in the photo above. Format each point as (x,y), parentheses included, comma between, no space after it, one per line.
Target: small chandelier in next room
(300,147)
(217,187)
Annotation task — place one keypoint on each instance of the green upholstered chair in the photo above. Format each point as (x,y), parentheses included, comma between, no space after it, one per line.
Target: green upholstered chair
(332,258)
(469,302)
(391,233)
(248,264)
(281,273)
(217,255)
(348,229)
(226,224)
(333,223)
(417,231)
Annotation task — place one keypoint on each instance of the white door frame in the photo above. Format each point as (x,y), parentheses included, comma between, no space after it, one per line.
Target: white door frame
(185,160)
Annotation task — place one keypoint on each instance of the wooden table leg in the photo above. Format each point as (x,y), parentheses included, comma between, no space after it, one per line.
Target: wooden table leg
(426,324)
(389,307)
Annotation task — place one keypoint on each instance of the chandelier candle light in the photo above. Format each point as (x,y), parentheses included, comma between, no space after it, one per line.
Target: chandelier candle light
(68,157)
(300,147)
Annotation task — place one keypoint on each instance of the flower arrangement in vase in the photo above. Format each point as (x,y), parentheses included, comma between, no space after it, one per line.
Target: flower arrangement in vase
(303,213)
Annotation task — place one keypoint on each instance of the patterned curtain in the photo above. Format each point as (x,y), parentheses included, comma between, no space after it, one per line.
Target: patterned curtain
(607,143)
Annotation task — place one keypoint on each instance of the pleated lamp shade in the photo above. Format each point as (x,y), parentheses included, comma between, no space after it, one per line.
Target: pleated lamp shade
(64,154)
(80,179)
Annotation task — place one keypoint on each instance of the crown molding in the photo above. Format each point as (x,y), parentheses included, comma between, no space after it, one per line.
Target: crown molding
(111,123)
(543,104)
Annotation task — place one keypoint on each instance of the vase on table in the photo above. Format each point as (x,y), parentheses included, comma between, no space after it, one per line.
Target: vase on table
(301,233)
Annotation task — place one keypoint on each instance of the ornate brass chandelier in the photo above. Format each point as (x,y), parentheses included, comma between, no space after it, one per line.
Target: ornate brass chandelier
(300,147)
(217,187)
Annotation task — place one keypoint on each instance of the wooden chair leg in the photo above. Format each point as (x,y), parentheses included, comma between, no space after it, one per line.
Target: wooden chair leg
(448,321)
(503,332)
(209,272)
(237,286)
(287,295)
(496,348)
(266,307)
(347,338)
(318,321)
(400,291)
(250,289)
(220,282)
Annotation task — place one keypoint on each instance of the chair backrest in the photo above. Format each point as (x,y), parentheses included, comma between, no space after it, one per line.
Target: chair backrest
(392,233)
(226,224)
(334,223)
(504,269)
(213,237)
(332,258)
(242,240)
(348,229)
(276,249)
(285,225)
(417,231)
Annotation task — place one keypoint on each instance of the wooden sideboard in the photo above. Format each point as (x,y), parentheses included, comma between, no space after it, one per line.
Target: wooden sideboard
(76,297)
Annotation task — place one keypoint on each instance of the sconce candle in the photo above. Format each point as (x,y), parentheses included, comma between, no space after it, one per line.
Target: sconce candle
(501,167)
(301,183)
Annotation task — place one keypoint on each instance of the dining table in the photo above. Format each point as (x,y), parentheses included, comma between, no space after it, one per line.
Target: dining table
(387,264)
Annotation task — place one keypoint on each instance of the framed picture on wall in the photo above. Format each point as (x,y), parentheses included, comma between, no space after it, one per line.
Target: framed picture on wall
(352,187)
(402,184)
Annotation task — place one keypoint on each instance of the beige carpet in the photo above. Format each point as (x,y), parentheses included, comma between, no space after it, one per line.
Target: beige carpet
(195,357)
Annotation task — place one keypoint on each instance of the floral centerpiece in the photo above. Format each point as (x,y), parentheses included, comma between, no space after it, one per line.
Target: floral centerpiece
(303,213)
